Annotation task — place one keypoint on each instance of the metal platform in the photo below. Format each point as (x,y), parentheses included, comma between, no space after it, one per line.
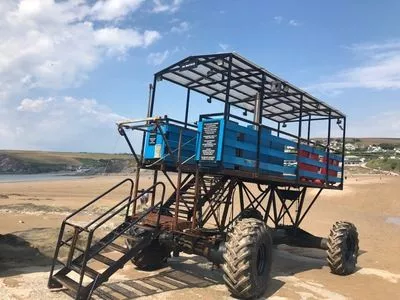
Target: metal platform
(231,176)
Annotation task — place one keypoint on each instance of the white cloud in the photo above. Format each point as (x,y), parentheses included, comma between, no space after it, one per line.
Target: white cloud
(223,46)
(278,19)
(157,58)
(182,27)
(118,41)
(113,9)
(379,69)
(59,124)
(34,105)
(49,44)
(166,5)
(294,23)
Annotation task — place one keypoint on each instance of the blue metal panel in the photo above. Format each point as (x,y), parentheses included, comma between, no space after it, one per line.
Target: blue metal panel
(156,147)
(237,149)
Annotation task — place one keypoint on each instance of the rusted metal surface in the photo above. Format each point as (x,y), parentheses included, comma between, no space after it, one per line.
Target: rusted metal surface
(166,222)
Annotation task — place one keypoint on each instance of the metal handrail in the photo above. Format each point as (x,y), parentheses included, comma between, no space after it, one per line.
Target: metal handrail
(101,196)
(127,205)
(79,229)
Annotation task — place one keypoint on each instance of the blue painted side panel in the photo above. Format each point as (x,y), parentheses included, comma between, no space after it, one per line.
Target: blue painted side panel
(237,149)
(156,146)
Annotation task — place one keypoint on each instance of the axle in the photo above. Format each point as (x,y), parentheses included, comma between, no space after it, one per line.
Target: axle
(211,248)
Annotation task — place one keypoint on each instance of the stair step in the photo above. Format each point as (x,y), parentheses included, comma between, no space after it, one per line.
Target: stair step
(67,282)
(104,259)
(117,247)
(88,271)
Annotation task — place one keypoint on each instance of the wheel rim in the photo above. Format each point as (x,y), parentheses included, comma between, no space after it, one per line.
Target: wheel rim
(261,259)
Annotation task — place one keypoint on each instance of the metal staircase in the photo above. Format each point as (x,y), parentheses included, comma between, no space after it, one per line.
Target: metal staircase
(209,188)
(76,276)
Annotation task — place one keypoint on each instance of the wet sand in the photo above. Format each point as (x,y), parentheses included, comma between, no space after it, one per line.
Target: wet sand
(31,213)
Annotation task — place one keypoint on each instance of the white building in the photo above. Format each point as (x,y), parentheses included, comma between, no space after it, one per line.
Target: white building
(350,147)
(352,160)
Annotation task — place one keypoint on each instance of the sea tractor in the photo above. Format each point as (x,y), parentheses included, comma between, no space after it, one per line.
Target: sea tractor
(226,185)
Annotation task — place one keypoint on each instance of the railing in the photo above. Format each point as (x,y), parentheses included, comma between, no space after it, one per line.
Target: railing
(93,225)
(299,145)
(143,126)
(267,127)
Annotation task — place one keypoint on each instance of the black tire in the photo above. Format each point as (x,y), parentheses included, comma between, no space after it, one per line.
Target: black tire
(248,259)
(152,257)
(343,248)
(251,213)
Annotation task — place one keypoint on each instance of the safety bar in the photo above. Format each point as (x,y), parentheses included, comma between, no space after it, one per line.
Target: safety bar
(101,196)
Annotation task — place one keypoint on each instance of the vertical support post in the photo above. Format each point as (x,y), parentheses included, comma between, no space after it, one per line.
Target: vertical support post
(279,129)
(152,93)
(268,209)
(299,138)
(150,114)
(273,198)
(196,197)
(187,107)
(153,196)
(258,119)
(228,88)
(328,147)
(135,188)
(241,196)
(343,150)
(178,183)
(309,130)
(150,107)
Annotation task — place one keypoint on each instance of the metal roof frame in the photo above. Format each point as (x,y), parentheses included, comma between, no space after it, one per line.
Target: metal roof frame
(232,79)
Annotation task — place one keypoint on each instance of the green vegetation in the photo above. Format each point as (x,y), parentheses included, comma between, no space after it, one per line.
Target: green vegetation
(33,162)
(385,164)
(373,141)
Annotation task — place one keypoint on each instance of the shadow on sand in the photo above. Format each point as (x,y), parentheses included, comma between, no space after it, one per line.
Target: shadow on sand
(18,256)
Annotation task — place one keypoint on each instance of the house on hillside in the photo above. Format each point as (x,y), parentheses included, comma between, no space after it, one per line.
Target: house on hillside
(352,160)
(350,147)
(374,149)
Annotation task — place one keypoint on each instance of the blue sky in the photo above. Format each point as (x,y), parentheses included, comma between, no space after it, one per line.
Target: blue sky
(70,69)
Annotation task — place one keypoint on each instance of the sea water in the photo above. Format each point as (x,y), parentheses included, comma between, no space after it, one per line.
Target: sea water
(7,178)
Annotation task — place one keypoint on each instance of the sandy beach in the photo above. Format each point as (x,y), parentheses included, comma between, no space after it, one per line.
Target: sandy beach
(31,213)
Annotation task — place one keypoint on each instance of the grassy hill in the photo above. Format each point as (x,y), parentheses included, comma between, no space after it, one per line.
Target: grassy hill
(385,164)
(31,162)
(373,141)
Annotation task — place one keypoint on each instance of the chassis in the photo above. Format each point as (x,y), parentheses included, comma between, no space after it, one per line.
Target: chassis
(236,186)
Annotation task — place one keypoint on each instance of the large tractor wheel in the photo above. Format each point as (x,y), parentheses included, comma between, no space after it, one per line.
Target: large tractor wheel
(152,257)
(343,248)
(248,258)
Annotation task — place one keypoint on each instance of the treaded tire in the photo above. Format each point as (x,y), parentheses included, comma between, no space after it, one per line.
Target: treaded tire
(251,213)
(343,248)
(152,257)
(248,259)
